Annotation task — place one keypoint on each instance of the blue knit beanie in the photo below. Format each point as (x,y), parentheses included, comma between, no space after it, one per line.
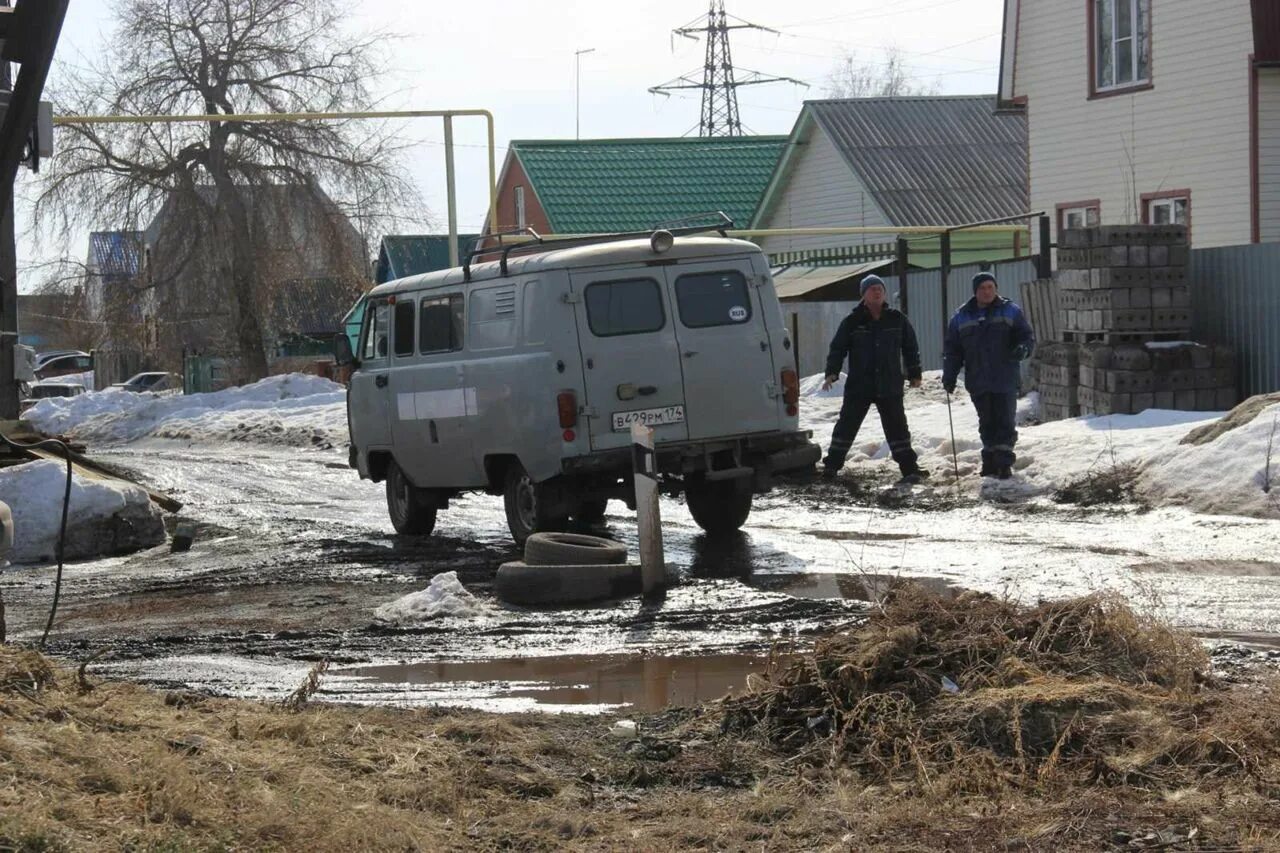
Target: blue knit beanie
(981,277)
(868,282)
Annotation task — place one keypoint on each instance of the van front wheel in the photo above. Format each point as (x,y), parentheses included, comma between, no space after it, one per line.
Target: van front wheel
(527,511)
(412,511)
(719,507)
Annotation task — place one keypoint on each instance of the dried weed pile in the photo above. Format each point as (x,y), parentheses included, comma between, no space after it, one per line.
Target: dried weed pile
(976,694)
(1113,485)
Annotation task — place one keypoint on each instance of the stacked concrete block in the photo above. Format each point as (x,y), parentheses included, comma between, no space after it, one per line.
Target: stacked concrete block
(1124,283)
(1058,380)
(1131,378)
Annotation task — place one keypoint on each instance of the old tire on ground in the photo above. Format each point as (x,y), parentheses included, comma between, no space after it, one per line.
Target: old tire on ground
(521,583)
(719,507)
(591,512)
(411,509)
(572,549)
(526,514)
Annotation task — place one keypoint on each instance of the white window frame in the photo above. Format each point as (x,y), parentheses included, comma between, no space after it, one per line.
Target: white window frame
(520,208)
(1172,204)
(1139,12)
(1089,217)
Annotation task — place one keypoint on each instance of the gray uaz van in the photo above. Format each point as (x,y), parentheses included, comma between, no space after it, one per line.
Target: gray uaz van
(522,377)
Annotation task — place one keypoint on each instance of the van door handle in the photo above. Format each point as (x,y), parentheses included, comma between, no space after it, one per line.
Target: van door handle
(690,353)
(647,390)
(380,380)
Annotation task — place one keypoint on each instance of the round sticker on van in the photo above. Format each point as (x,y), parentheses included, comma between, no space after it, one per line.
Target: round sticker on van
(737,313)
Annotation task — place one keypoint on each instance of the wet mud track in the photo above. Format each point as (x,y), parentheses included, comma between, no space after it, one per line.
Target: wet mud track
(295,554)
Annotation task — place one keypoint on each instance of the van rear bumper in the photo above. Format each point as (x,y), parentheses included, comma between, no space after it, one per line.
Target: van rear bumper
(765,453)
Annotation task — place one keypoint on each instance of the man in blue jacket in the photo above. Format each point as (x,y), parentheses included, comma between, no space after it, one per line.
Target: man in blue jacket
(878,341)
(988,337)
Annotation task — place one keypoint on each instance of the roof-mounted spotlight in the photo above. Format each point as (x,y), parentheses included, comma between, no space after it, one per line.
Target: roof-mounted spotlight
(661,241)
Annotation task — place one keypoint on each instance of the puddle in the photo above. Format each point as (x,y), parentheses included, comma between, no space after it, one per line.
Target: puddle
(576,683)
(1249,639)
(1213,568)
(859,587)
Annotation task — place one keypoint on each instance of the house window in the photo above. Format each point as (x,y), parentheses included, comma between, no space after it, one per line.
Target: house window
(1171,208)
(520,218)
(1121,44)
(1079,214)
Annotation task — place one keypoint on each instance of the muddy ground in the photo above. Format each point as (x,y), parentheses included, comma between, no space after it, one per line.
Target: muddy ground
(295,553)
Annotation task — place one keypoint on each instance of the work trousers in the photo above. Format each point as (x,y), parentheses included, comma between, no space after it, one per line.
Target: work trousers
(892,418)
(997,417)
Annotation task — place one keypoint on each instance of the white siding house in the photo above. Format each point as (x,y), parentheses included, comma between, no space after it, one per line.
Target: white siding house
(1150,111)
(893,162)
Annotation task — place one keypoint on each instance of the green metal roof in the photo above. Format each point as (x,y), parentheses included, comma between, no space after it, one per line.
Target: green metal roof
(410,254)
(605,185)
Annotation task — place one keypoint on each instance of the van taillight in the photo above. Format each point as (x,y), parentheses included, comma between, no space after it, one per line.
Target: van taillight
(791,391)
(567,403)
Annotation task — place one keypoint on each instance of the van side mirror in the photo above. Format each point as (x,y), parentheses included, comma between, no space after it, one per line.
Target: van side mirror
(342,353)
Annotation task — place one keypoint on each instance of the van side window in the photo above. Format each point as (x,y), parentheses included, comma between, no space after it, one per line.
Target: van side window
(404,327)
(375,332)
(629,306)
(440,324)
(713,299)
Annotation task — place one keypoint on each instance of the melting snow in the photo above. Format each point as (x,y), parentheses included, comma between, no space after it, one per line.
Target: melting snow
(445,596)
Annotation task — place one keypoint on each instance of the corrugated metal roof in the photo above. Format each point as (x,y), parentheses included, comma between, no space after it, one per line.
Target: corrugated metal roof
(606,185)
(932,160)
(116,253)
(797,281)
(403,255)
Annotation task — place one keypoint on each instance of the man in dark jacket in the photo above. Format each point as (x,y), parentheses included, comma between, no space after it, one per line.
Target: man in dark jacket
(988,337)
(878,341)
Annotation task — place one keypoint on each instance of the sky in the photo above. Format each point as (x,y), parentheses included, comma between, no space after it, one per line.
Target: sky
(517,60)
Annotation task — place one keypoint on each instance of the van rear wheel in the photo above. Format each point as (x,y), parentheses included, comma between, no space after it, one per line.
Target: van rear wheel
(412,511)
(719,507)
(526,507)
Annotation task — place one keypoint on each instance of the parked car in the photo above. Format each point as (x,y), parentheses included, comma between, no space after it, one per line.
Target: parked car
(523,378)
(153,381)
(52,365)
(45,390)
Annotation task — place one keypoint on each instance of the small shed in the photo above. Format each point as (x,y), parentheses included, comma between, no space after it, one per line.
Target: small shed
(838,283)
(402,255)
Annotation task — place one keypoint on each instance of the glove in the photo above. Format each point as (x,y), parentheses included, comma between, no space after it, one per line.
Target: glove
(1021,351)
(949,387)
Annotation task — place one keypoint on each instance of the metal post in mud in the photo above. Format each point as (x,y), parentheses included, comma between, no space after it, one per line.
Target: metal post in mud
(653,567)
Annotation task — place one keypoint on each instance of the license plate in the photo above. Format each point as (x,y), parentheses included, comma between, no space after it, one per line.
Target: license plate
(622,421)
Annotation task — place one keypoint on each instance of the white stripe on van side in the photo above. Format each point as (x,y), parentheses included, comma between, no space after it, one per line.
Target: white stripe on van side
(433,405)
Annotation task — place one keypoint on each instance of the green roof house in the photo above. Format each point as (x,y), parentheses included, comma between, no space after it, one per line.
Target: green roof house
(591,186)
(402,255)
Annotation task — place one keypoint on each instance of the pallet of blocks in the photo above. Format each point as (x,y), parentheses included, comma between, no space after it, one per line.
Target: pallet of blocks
(1125,379)
(1057,367)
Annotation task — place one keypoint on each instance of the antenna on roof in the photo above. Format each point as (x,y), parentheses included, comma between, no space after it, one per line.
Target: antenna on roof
(719,80)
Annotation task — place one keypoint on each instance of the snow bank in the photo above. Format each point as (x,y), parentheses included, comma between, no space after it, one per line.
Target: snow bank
(295,409)
(34,492)
(1226,475)
(1222,476)
(445,596)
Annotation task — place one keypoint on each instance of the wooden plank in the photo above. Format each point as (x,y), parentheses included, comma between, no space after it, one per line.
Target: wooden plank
(91,470)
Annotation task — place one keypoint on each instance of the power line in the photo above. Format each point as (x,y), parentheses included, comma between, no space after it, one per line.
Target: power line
(720,81)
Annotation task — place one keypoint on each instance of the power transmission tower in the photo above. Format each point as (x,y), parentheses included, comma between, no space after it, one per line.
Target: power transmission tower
(720,81)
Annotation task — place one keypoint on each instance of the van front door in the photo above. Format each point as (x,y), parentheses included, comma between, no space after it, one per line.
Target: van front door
(630,359)
(729,378)
(368,413)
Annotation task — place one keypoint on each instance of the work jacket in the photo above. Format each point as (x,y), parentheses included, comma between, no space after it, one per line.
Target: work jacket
(882,353)
(987,343)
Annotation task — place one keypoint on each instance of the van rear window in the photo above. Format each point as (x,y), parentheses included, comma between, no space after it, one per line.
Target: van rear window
(713,299)
(630,306)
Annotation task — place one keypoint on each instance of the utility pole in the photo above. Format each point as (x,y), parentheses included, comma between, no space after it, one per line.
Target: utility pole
(577,90)
(720,80)
(28,35)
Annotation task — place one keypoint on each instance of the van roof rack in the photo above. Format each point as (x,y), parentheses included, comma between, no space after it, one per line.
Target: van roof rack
(540,244)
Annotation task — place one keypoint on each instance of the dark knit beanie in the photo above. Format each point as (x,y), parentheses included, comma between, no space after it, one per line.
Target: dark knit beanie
(868,282)
(981,277)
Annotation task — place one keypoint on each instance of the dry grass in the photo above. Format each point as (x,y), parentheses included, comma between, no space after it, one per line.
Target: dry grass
(1075,725)
(1112,485)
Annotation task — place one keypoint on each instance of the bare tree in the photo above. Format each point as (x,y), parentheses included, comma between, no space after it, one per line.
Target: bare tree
(223,227)
(892,76)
